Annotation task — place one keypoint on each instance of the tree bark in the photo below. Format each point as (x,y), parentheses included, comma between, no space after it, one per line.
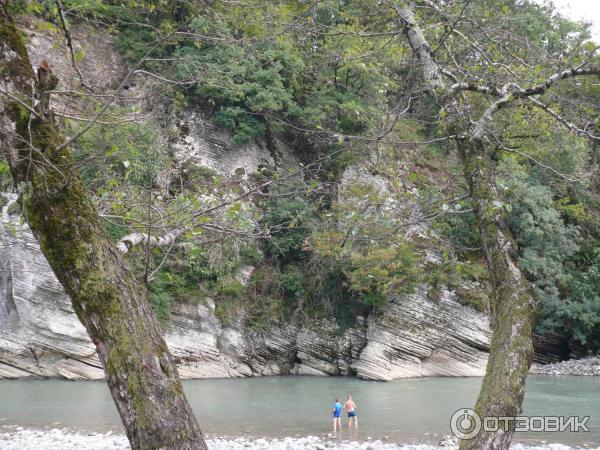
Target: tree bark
(512,305)
(131,240)
(110,303)
(430,70)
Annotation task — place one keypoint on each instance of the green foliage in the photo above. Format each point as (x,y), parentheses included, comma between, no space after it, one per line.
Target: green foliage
(383,271)
(545,240)
(469,281)
(229,295)
(252,77)
(289,219)
(250,254)
(197,271)
(459,228)
(564,278)
(127,152)
(266,304)
(252,82)
(299,291)
(359,249)
(232,289)
(578,313)
(581,310)
(160,300)
(240,83)
(291,284)
(115,231)
(5,176)
(328,295)
(313,269)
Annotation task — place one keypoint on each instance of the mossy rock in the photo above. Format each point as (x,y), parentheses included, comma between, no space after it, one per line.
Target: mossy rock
(477,300)
(192,172)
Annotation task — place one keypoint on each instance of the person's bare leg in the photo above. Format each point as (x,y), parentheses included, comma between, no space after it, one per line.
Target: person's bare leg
(355,422)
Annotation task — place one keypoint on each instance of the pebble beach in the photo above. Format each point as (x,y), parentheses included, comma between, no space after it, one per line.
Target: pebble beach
(576,367)
(19,438)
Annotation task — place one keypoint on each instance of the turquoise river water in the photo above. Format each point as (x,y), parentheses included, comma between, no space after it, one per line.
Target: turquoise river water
(412,410)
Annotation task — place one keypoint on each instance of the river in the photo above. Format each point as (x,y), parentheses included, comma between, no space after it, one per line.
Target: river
(411,410)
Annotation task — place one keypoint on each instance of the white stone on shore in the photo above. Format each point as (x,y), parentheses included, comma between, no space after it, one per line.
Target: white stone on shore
(18,438)
(578,367)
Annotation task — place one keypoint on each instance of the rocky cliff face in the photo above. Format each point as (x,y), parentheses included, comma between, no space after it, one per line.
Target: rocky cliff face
(41,336)
(37,318)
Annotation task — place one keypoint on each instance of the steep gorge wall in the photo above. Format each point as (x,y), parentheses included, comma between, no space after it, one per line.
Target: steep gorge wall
(41,336)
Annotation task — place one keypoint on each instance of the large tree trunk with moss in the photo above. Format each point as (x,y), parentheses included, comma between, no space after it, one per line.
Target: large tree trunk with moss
(108,300)
(512,305)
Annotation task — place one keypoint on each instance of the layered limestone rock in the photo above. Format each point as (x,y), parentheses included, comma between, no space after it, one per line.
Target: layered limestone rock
(39,332)
(417,337)
(41,336)
(204,144)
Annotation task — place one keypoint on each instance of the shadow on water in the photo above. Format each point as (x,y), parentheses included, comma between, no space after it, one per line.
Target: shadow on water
(403,410)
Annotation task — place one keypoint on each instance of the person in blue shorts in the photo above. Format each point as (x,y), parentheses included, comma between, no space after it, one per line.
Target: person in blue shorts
(337,416)
(350,407)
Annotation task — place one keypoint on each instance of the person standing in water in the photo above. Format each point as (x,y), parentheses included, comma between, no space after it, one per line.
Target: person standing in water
(337,416)
(350,407)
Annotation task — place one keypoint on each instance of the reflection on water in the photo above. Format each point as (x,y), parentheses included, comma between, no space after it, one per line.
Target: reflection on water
(406,410)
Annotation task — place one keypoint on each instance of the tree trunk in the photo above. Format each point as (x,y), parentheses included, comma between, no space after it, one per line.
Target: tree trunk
(110,303)
(512,305)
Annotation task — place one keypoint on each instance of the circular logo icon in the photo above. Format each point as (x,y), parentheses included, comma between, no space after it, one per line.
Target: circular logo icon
(465,424)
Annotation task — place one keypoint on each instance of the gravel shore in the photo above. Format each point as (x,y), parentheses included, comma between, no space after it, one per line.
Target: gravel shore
(582,367)
(18,438)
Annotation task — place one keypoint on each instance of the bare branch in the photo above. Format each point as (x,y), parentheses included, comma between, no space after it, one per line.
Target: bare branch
(63,22)
(21,102)
(131,240)
(459,87)
(565,122)
(519,93)
(166,80)
(550,81)
(418,43)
